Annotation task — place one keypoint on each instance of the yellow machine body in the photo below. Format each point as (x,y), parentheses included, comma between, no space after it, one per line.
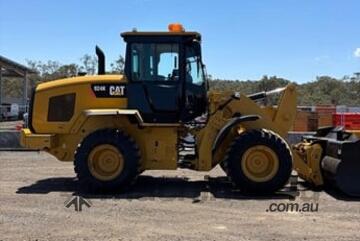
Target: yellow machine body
(157,142)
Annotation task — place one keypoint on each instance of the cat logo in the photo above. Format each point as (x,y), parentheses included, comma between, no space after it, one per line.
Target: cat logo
(109,90)
(117,90)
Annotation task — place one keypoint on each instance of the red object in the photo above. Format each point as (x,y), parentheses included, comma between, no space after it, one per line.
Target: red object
(19,127)
(350,121)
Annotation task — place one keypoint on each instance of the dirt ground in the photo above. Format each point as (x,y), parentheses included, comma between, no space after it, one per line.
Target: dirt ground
(171,205)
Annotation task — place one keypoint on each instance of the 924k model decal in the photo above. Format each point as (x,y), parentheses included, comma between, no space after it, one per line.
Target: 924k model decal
(109,90)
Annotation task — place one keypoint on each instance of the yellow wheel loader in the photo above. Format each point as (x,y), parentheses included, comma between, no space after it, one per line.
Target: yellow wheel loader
(160,115)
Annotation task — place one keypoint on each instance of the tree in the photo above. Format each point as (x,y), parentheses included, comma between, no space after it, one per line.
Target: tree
(51,70)
(266,83)
(69,70)
(89,64)
(117,67)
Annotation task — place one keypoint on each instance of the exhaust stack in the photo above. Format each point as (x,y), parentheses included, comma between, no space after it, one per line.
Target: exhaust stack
(101,60)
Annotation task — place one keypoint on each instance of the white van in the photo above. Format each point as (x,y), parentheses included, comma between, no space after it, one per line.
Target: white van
(10,111)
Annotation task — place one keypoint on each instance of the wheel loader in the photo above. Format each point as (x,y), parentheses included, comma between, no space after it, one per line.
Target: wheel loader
(160,115)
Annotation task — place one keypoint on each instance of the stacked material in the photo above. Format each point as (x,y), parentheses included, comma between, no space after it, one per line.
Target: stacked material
(325,114)
(312,118)
(302,121)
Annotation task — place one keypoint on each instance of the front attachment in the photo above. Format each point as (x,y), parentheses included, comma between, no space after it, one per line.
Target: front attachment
(340,164)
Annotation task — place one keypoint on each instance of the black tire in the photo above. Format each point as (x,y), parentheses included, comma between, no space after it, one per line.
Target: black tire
(233,168)
(124,144)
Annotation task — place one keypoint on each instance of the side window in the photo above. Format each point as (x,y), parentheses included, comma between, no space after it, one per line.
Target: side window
(194,70)
(135,65)
(61,107)
(154,62)
(168,65)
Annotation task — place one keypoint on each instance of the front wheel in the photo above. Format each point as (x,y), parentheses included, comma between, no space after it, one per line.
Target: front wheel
(258,161)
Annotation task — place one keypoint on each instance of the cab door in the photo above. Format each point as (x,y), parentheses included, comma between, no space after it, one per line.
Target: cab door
(155,87)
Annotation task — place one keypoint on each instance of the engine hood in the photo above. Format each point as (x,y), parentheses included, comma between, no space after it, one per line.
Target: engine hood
(81,80)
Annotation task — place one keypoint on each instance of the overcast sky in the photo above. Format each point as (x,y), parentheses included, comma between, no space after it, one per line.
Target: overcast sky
(294,39)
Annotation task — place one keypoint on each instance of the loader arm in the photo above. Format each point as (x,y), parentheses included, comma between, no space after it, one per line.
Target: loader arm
(278,119)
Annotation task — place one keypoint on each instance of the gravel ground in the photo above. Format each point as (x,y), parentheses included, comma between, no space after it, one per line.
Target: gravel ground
(163,205)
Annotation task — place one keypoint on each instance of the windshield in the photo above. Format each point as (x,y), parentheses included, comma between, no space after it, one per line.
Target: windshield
(194,66)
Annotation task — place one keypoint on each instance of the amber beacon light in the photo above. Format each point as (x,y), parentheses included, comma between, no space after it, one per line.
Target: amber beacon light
(176,27)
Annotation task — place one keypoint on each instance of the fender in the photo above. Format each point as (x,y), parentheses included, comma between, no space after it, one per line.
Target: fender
(228,126)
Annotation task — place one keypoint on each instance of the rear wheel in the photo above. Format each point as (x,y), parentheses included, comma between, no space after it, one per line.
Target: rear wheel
(258,161)
(107,160)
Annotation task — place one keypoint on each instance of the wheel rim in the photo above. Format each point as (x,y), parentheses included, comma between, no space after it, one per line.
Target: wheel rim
(260,163)
(105,162)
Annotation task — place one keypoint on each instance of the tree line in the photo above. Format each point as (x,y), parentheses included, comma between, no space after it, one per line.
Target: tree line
(323,90)
(51,70)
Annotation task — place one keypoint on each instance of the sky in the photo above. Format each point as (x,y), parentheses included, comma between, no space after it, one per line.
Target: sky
(293,39)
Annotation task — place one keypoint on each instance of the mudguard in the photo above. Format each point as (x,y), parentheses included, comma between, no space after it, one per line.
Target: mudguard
(227,127)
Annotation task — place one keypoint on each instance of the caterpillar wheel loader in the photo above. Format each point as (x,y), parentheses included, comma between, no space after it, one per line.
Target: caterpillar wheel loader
(160,114)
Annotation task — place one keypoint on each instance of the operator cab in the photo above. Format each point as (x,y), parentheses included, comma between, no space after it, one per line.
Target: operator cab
(166,76)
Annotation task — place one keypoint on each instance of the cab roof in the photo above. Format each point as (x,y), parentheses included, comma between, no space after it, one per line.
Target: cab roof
(137,35)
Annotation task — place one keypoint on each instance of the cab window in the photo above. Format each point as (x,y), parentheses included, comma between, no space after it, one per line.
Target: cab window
(194,69)
(154,62)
